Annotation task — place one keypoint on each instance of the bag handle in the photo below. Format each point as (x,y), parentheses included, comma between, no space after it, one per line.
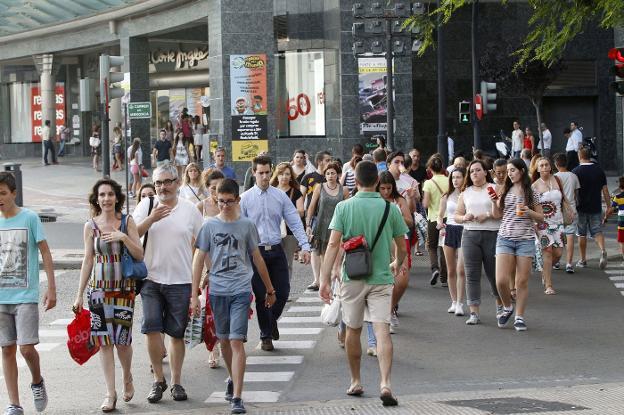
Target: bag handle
(438,186)
(194,194)
(381,225)
(149,212)
(563,196)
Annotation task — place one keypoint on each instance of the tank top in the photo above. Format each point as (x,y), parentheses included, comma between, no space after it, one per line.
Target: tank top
(514,227)
(477,202)
(451,207)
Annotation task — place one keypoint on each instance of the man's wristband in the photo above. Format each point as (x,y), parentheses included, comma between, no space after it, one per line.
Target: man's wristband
(271,293)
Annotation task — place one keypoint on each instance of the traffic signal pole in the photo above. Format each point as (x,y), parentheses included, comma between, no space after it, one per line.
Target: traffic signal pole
(389,88)
(475,74)
(442,133)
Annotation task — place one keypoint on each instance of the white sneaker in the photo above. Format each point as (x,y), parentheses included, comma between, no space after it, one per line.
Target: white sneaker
(459,309)
(371,351)
(40,396)
(603,260)
(394,320)
(451,308)
(473,319)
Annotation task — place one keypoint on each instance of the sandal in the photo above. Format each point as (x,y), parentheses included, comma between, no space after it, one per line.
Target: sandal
(213,358)
(550,291)
(341,339)
(313,287)
(128,392)
(355,390)
(387,398)
(110,403)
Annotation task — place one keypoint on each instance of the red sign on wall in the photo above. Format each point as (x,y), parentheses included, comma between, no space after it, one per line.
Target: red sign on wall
(37,115)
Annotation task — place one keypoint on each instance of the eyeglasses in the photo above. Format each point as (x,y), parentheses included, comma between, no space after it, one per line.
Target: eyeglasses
(166,182)
(226,202)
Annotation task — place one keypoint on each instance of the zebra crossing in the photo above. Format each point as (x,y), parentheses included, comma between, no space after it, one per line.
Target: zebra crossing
(616,275)
(302,321)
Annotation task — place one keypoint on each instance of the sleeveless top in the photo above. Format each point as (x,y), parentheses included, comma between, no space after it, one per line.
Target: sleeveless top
(451,207)
(181,156)
(107,274)
(478,202)
(514,227)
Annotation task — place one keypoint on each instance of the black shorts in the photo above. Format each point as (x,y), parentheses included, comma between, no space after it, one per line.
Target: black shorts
(453,236)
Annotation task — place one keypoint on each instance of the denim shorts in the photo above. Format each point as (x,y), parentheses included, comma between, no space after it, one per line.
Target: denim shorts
(591,222)
(453,236)
(522,247)
(231,315)
(165,308)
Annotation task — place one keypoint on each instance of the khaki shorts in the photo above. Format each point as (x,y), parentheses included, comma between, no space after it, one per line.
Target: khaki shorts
(19,323)
(364,302)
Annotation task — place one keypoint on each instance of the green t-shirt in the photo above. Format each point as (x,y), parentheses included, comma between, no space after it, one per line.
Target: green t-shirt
(361,215)
(435,194)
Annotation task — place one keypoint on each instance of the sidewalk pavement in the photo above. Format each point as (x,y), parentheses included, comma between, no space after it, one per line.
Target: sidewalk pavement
(595,399)
(61,191)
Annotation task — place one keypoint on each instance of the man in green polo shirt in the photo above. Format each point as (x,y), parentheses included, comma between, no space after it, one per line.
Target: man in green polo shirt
(362,215)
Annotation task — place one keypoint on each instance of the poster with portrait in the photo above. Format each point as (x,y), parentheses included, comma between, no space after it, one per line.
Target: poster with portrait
(248,105)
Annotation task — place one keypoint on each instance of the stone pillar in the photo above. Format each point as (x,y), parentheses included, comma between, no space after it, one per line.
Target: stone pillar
(238,28)
(47,70)
(136,52)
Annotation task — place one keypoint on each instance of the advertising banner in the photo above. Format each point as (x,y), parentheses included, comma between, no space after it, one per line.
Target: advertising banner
(372,95)
(37,115)
(248,88)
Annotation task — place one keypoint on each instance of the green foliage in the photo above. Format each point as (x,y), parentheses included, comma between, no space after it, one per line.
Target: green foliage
(552,24)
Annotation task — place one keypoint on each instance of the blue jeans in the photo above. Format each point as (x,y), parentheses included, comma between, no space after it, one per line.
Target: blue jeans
(370,335)
(231,315)
(277,265)
(61,151)
(48,145)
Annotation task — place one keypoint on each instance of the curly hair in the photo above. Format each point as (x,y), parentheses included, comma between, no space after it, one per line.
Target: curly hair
(93,196)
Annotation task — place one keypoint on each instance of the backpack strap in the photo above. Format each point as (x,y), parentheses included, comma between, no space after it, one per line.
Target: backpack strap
(381,225)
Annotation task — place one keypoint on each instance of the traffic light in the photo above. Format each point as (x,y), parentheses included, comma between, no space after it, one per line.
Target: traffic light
(108,90)
(464,112)
(488,96)
(617,55)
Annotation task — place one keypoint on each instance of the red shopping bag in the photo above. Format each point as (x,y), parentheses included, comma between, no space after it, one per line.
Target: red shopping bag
(79,344)
(210,332)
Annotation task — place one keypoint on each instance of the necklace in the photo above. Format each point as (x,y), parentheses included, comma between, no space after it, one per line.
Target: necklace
(332,188)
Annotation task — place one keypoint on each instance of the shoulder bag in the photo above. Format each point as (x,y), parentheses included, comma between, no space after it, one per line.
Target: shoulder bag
(358,263)
(131,268)
(566,208)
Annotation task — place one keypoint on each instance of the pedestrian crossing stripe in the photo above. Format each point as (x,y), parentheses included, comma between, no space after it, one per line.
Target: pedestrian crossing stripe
(274,360)
(618,278)
(305,309)
(248,396)
(309,300)
(268,376)
(61,322)
(315,319)
(300,330)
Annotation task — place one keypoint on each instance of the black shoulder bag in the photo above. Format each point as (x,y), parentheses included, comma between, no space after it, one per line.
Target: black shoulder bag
(358,263)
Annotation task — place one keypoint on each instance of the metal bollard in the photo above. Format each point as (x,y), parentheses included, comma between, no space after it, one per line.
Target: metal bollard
(17,172)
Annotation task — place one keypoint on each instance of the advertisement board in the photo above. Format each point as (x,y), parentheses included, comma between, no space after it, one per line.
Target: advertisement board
(248,105)
(372,95)
(37,115)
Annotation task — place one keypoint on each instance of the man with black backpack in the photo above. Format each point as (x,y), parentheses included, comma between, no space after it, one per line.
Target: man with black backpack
(368,274)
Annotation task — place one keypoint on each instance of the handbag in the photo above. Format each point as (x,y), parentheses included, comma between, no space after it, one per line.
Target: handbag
(358,262)
(567,210)
(210,331)
(94,141)
(331,314)
(131,268)
(144,173)
(79,343)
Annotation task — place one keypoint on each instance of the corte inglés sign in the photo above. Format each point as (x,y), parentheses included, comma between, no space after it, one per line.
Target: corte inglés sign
(181,58)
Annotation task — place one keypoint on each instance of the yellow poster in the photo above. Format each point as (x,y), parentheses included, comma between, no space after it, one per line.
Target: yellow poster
(246,150)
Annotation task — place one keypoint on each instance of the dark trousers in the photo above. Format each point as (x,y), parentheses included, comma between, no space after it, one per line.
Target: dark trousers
(573,160)
(436,253)
(276,263)
(48,145)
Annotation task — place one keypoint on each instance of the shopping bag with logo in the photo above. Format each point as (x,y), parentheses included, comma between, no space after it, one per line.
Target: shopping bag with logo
(193,335)
(79,344)
(210,332)
(420,223)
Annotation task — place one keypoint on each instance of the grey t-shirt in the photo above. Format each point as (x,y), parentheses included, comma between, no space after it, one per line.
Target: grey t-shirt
(229,246)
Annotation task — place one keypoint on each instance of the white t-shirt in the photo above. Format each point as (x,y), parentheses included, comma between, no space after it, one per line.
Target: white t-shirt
(517,137)
(169,254)
(189,193)
(575,141)
(546,138)
(570,184)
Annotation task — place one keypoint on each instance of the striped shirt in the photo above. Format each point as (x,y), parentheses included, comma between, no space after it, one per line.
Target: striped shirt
(515,227)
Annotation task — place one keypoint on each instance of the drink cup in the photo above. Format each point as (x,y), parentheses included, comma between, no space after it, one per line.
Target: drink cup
(519,210)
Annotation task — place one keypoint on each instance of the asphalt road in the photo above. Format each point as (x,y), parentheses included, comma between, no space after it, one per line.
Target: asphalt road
(574,338)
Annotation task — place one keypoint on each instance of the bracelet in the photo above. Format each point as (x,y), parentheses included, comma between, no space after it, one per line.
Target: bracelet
(270,294)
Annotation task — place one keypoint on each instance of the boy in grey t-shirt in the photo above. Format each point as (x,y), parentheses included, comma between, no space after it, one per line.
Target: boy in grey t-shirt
(225,244)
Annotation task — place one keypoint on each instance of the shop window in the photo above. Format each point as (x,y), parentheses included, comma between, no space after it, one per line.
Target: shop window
(301,94)
(26,116)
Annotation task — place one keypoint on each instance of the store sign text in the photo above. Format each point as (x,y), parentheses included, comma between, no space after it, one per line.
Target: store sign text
(179,57)
(37,113)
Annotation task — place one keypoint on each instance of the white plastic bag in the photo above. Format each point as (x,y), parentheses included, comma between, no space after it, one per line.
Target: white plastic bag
(193,335)
(331,314)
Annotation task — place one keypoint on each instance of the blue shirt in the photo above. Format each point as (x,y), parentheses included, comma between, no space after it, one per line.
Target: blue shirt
(382,166)
(266,209)
(229,246)
(227,171)
(19,258)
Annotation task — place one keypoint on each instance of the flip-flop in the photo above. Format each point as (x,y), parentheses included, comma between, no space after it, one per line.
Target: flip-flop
(356,390)
(550,291)
(387,399)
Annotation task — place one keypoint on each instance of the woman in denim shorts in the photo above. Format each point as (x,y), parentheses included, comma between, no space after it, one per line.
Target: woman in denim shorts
(452,241)
(515,246)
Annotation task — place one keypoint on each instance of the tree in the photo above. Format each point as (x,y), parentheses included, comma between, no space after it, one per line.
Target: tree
(530,78)
(553,24)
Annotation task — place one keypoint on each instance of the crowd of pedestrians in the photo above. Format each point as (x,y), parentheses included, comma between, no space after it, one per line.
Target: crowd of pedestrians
(194,231)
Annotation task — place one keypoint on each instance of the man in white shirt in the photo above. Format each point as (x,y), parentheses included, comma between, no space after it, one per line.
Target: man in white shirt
(545,144)
(577,135)
(517,137)
(48,145)
(572,147)
(173,225)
